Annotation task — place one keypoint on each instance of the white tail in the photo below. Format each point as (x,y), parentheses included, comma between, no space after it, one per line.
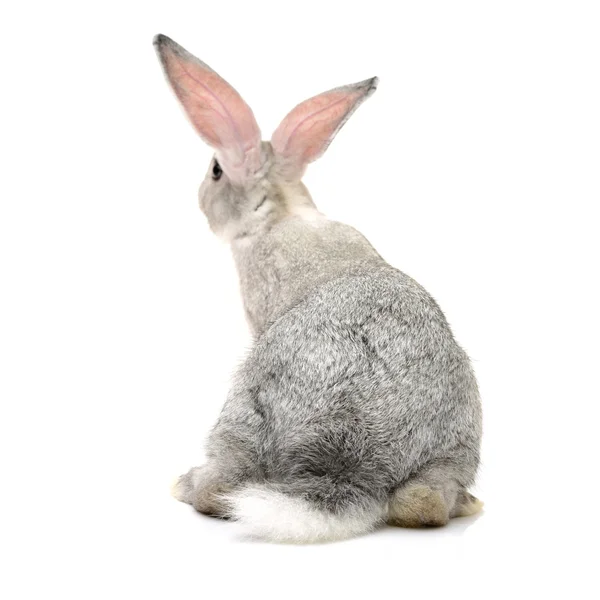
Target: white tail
(271,515)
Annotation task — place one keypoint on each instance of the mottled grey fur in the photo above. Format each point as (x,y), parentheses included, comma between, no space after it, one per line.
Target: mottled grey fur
(355,388)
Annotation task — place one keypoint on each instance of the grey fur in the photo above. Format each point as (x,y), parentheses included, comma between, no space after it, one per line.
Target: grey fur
(355,385)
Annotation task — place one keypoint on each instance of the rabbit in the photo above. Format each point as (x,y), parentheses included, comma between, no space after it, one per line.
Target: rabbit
(355,407)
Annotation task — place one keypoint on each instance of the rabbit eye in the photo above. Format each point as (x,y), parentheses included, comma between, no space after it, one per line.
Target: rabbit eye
(217,171)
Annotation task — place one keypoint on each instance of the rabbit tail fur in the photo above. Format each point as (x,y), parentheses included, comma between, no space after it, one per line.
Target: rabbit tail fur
(273,513)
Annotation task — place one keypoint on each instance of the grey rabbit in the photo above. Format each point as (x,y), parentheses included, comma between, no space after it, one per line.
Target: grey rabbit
(355,407)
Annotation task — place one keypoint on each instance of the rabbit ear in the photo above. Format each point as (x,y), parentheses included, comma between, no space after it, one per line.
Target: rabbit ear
(308,129)
(216,110)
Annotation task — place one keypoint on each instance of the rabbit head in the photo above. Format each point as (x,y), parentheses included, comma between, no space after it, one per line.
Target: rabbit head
(251,183)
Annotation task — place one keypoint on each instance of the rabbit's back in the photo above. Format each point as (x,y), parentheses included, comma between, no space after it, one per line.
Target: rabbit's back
(360,382)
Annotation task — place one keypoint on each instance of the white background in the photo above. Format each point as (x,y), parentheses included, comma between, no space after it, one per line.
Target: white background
(474,168)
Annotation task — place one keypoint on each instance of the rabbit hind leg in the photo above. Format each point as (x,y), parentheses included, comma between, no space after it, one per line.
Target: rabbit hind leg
(205,489)
(418,505)
(430,499)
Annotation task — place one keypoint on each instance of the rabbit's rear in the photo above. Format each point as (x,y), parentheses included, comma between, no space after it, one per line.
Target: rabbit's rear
(357,392)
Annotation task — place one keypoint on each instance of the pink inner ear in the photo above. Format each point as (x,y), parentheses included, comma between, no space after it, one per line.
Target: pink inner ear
(309,128)
(216,110)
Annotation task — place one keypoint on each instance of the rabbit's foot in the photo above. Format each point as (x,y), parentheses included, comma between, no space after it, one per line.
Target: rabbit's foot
(466,505)
(204,490)
(417,505)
